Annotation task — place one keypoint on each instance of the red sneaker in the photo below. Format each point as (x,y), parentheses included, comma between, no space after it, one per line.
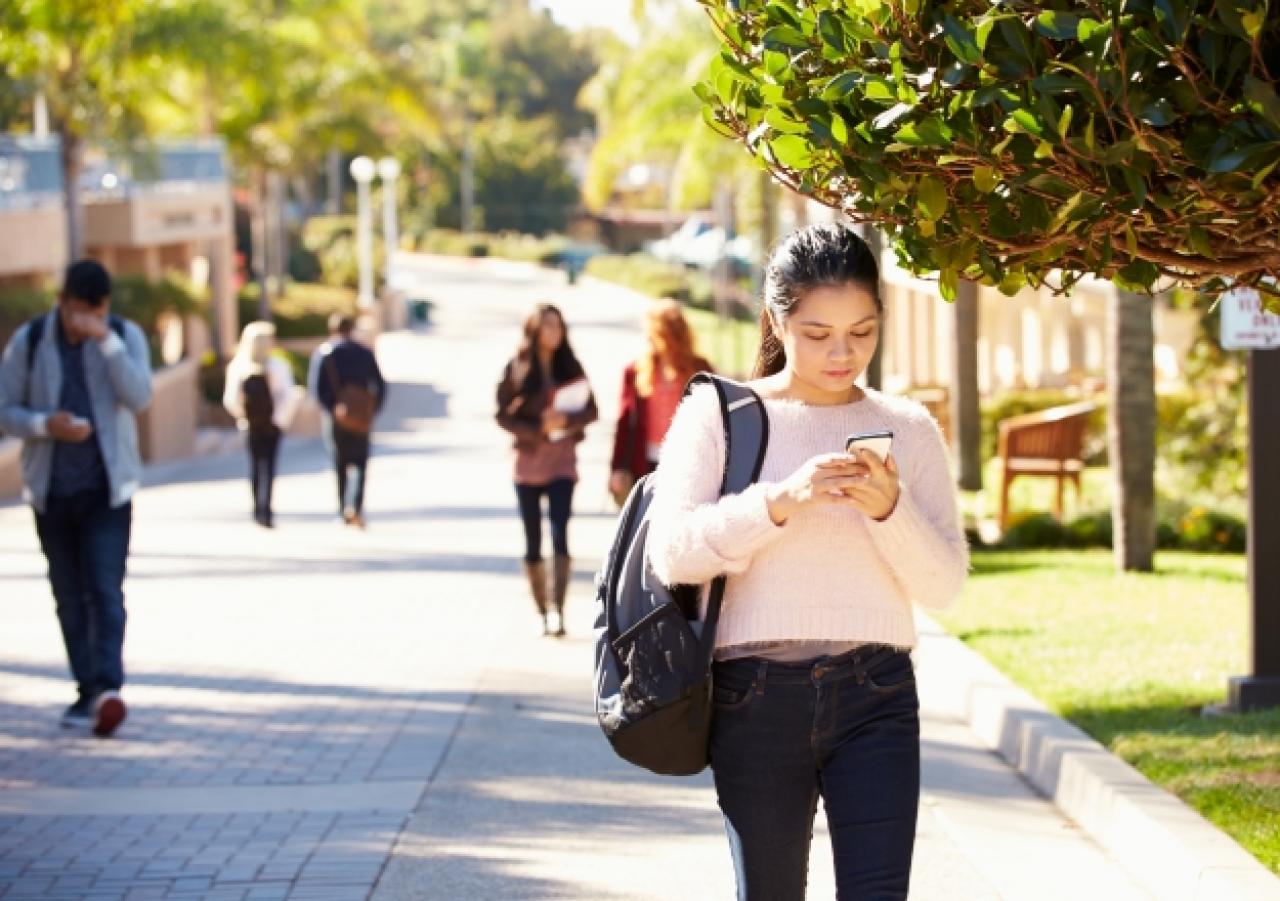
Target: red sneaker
(108,713)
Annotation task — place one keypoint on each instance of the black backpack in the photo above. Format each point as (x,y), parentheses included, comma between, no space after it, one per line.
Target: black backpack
(653,655)
(259,405)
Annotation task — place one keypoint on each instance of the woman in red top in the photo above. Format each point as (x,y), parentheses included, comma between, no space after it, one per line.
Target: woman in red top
(651,391)
(546,435)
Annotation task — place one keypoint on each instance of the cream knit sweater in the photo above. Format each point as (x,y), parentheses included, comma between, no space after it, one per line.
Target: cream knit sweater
(829,574)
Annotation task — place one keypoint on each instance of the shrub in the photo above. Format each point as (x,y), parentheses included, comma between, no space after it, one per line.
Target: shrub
(1197,530)
(1015,403)
(303,312)
(17,306)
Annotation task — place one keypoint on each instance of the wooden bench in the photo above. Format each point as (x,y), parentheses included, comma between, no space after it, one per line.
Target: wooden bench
(1048,443)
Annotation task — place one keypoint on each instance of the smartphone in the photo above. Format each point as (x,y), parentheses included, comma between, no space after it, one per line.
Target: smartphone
(878,443)
(79,421)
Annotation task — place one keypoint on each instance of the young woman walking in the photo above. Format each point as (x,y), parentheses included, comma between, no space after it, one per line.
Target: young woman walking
(651,389)
(259,394)
(545,402)
(814,692)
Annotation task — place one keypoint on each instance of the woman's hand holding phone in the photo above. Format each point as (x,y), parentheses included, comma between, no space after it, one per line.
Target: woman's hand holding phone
(876,494)
(825,479)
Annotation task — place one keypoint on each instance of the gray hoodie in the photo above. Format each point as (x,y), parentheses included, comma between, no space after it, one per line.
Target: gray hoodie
(118,373)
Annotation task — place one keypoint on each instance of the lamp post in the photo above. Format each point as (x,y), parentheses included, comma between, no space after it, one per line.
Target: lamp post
(389,171)
(362,170)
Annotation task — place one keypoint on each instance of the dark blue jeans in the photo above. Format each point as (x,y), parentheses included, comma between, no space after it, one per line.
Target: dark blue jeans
(87,543)
(559,494)
(846,728)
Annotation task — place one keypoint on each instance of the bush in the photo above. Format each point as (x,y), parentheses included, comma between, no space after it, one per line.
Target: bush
(1197,530)
(303,312)
(17,306)
(329,253)
(1015,403)
(506,245)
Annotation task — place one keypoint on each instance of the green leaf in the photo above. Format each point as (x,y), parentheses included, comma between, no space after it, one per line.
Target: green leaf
(985,179)
(830,29)
(949,284)
(777,119)
(879,89)
(1044,151)
(784,36)
(984,32)
(776,63)
(839,129)
(1088,29)
(1023,120)
(931,198)
(930,132)
(1058,26)
(1139,274)
(961,41)
(1064,122)
(791,151)
(1253,22)
(1198,241)
(1136,184)
(1237,159)
(1262,98)
(841,86)
(1130,241)
(890,116)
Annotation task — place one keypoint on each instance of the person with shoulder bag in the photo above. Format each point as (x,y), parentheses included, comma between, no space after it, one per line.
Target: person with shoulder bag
(851,520)
(259,394)
(651,389)
(545,402)
(347,382)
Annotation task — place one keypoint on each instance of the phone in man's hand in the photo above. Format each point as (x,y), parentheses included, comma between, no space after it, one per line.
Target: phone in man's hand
(878,443)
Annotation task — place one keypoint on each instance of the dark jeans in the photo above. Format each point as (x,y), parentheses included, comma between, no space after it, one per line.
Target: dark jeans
(559,496)
(350,452)
(86,543)
(264,450)
(846,728)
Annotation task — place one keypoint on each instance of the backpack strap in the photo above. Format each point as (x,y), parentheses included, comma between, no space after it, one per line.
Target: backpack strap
(35,332)
(746,438)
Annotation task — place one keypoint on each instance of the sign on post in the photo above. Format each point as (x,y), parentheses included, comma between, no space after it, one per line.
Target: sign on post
(1245,324)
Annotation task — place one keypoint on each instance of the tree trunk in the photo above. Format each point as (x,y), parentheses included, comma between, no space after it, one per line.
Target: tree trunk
(966,419)
(277,232)
(258,239)
(875,369)
(468,187)
(1131,427)
(72,159)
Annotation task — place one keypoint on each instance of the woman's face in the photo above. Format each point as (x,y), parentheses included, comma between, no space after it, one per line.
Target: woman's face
(830,337)
(550,333)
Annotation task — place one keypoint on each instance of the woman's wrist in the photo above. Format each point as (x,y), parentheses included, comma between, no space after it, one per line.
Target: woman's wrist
(780,504)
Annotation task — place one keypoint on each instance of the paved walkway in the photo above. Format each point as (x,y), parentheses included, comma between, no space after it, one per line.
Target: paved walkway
(319,713)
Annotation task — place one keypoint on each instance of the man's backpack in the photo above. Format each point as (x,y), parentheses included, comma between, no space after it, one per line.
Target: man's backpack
(354,405)
(259,405)
(653,655)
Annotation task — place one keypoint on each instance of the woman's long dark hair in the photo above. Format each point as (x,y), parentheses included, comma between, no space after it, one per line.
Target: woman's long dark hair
(527,376)
(825,255)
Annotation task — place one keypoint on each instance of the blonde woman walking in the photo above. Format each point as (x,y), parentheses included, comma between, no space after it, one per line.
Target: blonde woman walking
(259,394)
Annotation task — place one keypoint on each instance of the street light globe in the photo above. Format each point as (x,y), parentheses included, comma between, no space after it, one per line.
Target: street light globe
(388,168)
(362,169)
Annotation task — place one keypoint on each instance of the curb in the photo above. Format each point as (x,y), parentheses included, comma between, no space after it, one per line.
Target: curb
(1168,848)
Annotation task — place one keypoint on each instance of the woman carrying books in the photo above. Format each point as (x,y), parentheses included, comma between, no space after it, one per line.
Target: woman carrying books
(545,402)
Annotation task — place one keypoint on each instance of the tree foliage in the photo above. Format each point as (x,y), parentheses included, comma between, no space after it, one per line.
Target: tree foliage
(1019,143)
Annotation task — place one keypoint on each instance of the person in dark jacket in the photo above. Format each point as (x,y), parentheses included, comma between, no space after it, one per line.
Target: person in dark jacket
(344,373)
(71,386)
(546,432)
(651,390)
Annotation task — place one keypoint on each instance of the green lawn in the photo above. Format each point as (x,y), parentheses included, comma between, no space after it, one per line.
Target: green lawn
(1132,659)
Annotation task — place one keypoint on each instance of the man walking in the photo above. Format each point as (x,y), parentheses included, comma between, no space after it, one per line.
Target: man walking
(345,378)
(71,385)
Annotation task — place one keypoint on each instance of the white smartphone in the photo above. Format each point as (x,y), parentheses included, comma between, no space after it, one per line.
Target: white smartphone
(79,421)
(879,443)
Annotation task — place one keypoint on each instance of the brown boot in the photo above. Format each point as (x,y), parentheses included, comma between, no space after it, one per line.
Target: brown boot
(560,575)
(536,573)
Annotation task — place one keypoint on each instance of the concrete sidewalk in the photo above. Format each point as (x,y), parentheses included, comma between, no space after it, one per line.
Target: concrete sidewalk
(320,713)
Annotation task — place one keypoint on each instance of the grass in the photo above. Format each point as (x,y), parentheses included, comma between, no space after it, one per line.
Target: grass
(1131,659)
